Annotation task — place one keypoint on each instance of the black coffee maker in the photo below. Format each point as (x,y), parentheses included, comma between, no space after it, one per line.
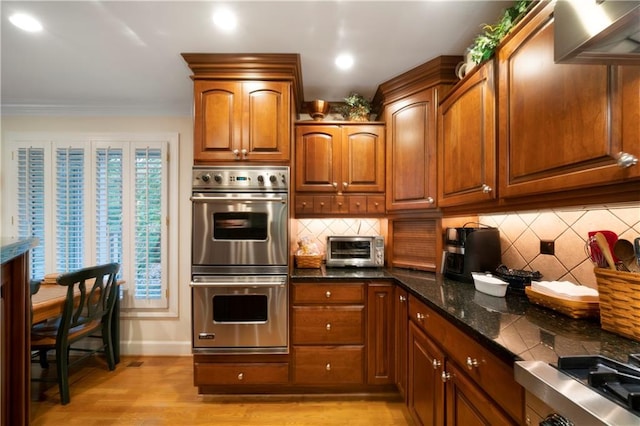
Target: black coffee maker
(471,249)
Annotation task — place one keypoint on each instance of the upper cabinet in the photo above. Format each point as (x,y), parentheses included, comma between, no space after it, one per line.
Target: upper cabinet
(240,121)
(467,141)
(244,106)
(410,112)
(339,168)
(562,127)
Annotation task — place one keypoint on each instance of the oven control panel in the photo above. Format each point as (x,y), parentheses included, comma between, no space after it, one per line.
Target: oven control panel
(270,178)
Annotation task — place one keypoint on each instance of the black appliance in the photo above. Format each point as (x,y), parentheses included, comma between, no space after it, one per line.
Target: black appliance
(471,249)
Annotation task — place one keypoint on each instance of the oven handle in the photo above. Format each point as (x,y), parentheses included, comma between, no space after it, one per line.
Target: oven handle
(205,199)
(237,284)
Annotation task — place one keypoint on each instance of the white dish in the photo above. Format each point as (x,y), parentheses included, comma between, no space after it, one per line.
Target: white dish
(488,284)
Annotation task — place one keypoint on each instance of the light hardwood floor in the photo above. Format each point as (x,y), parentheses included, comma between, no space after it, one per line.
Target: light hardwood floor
(148,391)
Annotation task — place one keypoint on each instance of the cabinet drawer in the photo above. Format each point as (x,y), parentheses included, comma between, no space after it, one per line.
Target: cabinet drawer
(328,325)
(358,204)
(304,204)
(327,294)
(494,375)
(328,365)
(240,373)
(375,204)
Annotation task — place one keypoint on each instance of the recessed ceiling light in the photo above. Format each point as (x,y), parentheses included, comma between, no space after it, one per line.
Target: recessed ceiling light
(344,61)
(26,22)
(225,20)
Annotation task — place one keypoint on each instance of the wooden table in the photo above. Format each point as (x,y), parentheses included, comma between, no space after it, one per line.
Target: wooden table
(48,303)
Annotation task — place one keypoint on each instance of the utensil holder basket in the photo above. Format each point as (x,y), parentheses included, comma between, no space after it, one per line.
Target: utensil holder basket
(619,302)
(308,262)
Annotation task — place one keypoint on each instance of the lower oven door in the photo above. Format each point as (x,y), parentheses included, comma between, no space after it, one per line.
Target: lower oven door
(240,314)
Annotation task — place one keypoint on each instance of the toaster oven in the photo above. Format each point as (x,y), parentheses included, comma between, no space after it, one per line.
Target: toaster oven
(358,251)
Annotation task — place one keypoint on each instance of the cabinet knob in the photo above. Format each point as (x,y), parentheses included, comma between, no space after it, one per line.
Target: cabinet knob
(357,204)
(486,188)
(430,200)
(403,299)
(328,326)
(436,364)
(328,366)
(334,184)
(244,153)
(304,204)
(376,204)
(240,376)
(322,204)
(420,317)
(445,376)
(626,160)
(471,363)
(328,294)
(236,153)
(345,185)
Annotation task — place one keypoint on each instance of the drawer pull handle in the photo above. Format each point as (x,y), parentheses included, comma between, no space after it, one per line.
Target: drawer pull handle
(328,326)
(626,160)
(430,200)
(402,298)
(445,376)
(486,188)
(420,317)
(472,362)
(328,366)
(328,294)
(240,376)
(436,364)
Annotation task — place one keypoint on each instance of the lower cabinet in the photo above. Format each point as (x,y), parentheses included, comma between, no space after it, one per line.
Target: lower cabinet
(401,339)
(454,380)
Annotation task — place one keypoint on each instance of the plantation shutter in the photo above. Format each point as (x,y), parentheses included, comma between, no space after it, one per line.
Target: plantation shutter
(109,205)
(31,208)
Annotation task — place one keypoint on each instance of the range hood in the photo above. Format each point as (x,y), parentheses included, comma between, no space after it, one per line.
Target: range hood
(597,32)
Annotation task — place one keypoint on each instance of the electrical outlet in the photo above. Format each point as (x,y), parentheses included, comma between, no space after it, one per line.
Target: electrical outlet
(547,247)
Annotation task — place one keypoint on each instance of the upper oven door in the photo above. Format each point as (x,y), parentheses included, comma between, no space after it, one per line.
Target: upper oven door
(240,229)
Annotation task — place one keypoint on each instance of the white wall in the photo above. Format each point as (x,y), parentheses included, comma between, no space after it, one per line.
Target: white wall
(158,336)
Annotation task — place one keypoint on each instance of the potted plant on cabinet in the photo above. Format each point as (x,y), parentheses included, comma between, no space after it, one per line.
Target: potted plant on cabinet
(485,43)
(356,108)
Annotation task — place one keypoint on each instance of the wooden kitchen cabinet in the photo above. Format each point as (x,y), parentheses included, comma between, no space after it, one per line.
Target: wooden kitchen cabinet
(411,152)
(562,126)
(242,121)
(328,333)
(425,399)
(401,339)
(380,333)
(339,168)
(479,387)
(467,140)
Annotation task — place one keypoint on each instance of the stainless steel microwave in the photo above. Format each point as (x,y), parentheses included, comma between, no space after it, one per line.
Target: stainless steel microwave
(358,251)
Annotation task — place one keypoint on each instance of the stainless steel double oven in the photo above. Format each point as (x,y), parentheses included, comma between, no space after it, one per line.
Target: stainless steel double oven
(239,283)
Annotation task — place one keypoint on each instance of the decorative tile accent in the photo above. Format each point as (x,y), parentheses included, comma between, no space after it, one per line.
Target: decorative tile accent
(521,232)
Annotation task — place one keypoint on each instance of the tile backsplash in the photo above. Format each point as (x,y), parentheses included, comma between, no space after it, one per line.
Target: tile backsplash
(521,233)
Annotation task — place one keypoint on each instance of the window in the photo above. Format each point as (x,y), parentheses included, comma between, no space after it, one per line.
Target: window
(97,199)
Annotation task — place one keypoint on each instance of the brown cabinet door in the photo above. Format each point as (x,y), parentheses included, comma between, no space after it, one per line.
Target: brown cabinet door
(318,158)
(425,393)
(218,120)
(266,130)
(467,405)
(401,335)
(363,159)
(411,156)
(241,121)
(467,141)
(561,125)
(380,317)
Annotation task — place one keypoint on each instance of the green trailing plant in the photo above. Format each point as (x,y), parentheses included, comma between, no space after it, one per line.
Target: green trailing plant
(356,108)
(485,44)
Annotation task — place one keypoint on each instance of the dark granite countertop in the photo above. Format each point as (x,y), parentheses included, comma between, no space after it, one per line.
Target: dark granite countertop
(14,247)
(510,326)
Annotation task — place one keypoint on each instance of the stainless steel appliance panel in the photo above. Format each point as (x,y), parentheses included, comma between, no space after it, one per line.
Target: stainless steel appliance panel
(236,229)
(240,314)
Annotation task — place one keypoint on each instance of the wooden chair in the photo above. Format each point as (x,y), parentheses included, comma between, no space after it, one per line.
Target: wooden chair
(91,296)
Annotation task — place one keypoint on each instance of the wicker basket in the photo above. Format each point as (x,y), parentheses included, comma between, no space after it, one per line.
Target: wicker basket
(570,308)
(619,302)
(312,261)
